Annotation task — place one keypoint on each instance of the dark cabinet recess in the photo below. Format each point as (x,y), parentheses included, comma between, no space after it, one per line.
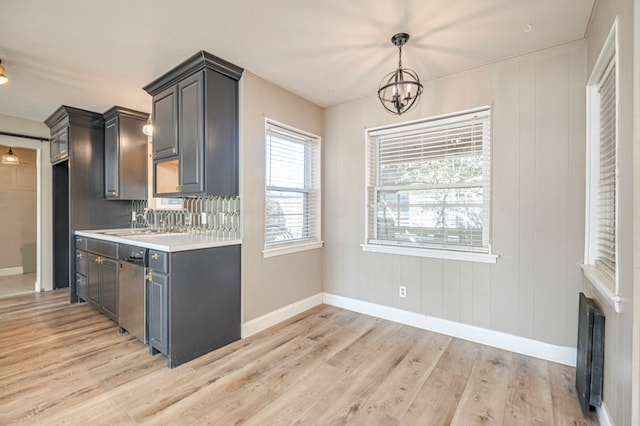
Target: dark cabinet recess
(125,154)
(77,153)
(195,139)
(193,301)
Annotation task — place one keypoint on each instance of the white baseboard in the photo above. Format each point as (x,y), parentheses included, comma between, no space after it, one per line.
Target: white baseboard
(16,270)
(272,318)
(604,418)
(522,345)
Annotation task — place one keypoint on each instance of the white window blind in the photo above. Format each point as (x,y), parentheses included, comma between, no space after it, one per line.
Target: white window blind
(429,183)
(292,199)
(605,232)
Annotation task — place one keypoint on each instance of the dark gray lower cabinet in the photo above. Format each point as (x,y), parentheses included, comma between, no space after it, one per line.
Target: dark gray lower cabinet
(157,311)
(97,278)
(81,272)
(109,288)
(193,301)
(93,278)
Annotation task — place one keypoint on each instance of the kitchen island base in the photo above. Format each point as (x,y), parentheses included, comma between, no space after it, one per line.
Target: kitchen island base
(193,301)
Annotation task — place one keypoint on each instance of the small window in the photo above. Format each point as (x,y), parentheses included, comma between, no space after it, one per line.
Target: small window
(292,196)
(429,185)
(602,167)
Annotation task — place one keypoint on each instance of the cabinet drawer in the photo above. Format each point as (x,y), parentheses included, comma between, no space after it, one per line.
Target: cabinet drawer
(159,261)
(81,243)
(103,248)
(81,262)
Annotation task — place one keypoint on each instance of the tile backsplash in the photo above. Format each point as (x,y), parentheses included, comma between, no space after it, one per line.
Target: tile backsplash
(211,216)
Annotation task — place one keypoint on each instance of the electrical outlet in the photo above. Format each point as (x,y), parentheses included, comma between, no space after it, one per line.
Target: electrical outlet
(133,216)
(402,290)
(203,218)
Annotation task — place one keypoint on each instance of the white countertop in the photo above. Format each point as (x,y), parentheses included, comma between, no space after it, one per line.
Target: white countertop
(169,242)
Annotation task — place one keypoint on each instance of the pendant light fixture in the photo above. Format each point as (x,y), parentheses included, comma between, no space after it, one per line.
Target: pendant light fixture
(400,90)
(3,78)
(147,129)
(10,158)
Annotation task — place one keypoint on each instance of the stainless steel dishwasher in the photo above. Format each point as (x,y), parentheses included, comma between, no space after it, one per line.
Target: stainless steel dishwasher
(132,301)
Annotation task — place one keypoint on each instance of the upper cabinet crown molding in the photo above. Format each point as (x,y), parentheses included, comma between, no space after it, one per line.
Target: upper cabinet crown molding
(125,112)
(76,117)
(195,63)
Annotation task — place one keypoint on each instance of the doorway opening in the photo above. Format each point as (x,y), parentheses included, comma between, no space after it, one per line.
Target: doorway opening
(18,222)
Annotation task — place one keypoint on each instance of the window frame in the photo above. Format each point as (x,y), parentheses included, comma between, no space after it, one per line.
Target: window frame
(605,282)
(469,253)
(313,179)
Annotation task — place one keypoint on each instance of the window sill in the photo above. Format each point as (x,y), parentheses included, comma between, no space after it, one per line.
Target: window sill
(436,254)
(292,248)
(602,284)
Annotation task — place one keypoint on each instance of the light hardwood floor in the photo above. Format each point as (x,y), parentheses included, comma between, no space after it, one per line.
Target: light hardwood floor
(62,363)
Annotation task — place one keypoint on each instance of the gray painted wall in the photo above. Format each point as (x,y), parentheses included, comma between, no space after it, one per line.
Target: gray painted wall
(619,326)
(538,201)
(269,284)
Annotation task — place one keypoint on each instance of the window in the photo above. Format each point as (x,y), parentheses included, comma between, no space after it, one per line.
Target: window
(292,196)
(602,165)
(429,187)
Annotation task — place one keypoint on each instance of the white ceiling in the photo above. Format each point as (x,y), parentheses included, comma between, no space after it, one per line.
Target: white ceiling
(94,55)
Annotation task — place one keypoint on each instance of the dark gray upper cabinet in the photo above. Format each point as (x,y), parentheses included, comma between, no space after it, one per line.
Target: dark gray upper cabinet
(60,143)
(125,154)
(191,133)
(195,140)
(77,188)
(165,126)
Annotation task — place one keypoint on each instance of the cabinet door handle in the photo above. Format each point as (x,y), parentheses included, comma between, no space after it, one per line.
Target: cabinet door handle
(80,256)
(155,256)
(149,276)
(99,260)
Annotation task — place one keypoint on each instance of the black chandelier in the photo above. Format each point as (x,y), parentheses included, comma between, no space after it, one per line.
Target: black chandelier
(400,89)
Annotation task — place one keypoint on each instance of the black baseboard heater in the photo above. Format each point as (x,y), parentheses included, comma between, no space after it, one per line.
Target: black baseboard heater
(590,362)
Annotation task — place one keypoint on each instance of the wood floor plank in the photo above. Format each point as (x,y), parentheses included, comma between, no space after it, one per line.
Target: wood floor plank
(392,398)
(529,393)
(482,402)
(438,399)
(566,409)
(361,377)
(66,364)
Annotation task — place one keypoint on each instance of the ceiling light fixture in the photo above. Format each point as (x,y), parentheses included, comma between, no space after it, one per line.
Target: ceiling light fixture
(147,129)
(400,89)
(3,78)
(10,158)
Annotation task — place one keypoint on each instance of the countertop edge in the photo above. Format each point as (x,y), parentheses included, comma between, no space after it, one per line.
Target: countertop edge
(167,243)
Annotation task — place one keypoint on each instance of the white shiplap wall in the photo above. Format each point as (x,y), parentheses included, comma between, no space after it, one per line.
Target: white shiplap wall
(538,202)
